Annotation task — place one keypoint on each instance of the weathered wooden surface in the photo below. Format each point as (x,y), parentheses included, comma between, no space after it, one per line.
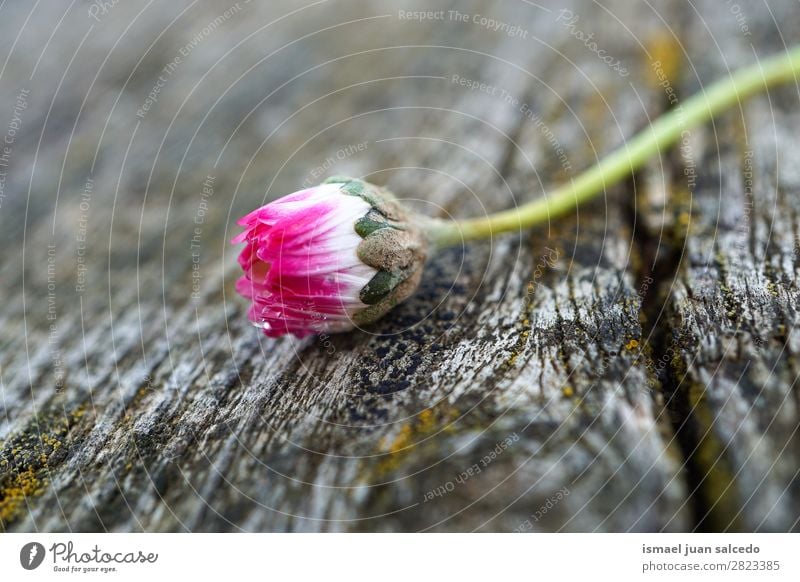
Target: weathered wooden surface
(731,312)
(630,367)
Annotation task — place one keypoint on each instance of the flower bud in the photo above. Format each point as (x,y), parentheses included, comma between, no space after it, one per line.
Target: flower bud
(328,258)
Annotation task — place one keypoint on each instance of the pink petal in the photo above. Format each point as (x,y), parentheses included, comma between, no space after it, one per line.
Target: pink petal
(301,269)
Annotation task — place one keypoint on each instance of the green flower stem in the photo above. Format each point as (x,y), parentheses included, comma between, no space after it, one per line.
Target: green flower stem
(662,133)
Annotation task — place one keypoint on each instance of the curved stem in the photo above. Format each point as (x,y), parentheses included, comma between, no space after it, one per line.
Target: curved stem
(663,132)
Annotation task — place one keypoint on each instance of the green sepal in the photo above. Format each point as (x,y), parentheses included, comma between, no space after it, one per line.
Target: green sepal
(338,180)
(354,188)
(381,285)
(367,225)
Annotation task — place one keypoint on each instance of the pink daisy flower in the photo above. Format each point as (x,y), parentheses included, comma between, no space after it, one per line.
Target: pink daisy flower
(314,261)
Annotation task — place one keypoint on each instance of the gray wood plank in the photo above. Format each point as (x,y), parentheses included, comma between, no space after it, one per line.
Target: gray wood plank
(729,320)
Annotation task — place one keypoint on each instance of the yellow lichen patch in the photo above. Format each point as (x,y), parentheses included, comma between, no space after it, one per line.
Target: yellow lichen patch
(567,391)
(396,447)
(426,420)
(411,433)
(26,458)
(772,289)
(15,493)
(524,323)
(665,58)
(632,345)
(682,222)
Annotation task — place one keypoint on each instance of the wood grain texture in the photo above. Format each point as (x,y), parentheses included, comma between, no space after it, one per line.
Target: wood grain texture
(730,314)
(629,367)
